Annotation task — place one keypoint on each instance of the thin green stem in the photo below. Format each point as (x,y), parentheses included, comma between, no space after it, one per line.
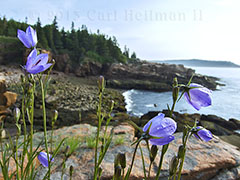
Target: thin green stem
(25,130)
(31,120)
(149,170)
(51,139)
(143,163)
(160,164)
(150,165)
(174,176)
(16,153)
(133,158)
(172,109)
(123,173)
(97,136)
(45,128)
(165,146)
(182,160)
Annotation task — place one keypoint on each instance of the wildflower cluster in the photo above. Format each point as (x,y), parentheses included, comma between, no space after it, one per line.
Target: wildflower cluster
(34,68)
(159,131)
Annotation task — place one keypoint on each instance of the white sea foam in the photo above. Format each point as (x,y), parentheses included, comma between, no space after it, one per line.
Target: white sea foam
(138,114)
(128,99)
(149,105)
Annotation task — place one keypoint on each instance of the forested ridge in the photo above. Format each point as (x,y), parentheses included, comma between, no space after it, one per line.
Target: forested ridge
(79,43)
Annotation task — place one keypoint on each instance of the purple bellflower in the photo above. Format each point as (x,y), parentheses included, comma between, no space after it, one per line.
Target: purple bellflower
(42,157)
(28,38)
(199,96)
(203,134)
(37,63)
(162,127)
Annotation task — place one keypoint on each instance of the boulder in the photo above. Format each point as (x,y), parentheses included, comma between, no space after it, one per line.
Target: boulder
(7,98)
(88,69)
(63,63)
(211,160)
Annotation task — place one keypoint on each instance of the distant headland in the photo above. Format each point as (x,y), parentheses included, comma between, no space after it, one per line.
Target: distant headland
(199,63)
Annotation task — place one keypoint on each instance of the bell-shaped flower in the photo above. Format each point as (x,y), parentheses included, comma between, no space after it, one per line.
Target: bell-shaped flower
(28,38)
(198,96)
(162,127)
(42,157)
(203,134)
(37,63)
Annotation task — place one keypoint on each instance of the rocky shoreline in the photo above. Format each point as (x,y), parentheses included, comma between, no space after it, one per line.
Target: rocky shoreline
(142,75)
(76,99)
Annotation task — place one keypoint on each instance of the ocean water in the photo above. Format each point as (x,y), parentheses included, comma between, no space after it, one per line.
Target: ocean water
(225,100)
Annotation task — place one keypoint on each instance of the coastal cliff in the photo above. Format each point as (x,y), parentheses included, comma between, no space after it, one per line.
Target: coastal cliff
(139,75)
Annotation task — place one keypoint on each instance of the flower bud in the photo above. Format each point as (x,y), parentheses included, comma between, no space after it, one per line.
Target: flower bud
(175,90)
(175,94)
(117,172)
(16,114)
(71,171)
(53,61)
(153,152)
(22,79)
(175,82)
(185,131)
(122,159)
(173,165)
(2,133)
(54,116)
(181,152)
(101,83)
(112,104)
(116,161)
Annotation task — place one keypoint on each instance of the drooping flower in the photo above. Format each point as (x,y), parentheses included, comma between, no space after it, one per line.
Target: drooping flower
(42,157)
(37,63)
(203,134)
(162,127)
(199,96)
(28,38)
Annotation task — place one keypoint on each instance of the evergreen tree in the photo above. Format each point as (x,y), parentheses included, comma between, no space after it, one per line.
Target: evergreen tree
(49,36)
(133,56)
(1,26)
(42,40)
(126,51)
(56,35)
(102,48)
(80,44)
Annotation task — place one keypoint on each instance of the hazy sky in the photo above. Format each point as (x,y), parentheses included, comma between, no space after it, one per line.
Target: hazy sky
(154,29)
